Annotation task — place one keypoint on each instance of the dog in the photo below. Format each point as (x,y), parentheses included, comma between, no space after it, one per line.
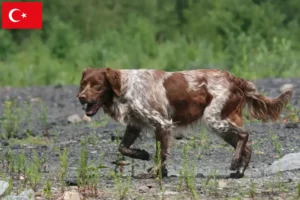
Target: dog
(164,101)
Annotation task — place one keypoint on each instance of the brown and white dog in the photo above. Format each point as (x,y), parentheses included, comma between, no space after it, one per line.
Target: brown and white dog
(164,101)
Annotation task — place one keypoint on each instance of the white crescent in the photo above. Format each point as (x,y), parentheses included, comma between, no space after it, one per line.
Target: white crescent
(11,13)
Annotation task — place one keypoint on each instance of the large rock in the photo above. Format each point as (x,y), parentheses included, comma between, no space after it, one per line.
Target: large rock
(3,187)
(286,163)
(25,195)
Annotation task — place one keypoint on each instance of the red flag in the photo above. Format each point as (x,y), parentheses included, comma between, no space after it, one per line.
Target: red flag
(22,15)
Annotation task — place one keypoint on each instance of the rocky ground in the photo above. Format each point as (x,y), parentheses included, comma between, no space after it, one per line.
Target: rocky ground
(43,122)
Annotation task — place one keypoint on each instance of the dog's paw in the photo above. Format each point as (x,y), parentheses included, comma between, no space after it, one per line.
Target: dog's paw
(236,164)
(236,175)
(143,155)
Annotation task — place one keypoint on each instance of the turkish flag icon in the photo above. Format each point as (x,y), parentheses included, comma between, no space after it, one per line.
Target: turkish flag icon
(22,15)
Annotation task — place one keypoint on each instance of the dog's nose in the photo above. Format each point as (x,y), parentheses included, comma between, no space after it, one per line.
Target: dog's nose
(82,97)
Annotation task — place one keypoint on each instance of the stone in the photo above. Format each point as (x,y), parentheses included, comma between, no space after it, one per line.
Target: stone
(286,163)
(28,193)
(286,86)
(200,175)
(222,183)
(291,125)
(85,118)
(3,187)
(72,195)
(168,192)
(25,195)
(143,189)
(74,119)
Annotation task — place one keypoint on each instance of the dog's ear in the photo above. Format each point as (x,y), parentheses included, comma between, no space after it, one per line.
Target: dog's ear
(114,79)
(85,70)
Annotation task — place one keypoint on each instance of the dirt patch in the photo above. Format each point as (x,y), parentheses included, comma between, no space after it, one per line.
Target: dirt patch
(41,128)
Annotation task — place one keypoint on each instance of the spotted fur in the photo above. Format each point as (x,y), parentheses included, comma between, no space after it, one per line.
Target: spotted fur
(167,102)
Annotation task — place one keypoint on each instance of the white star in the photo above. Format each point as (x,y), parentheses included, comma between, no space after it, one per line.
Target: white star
(24,15)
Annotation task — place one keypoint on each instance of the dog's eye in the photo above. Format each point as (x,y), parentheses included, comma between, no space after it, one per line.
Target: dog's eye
(98,87)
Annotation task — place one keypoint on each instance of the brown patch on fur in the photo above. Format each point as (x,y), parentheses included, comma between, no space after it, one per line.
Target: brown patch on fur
(114,79)
(259,107)
(188,105)
(237,118)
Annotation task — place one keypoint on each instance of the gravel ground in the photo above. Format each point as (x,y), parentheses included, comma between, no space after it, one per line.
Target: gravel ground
(210,156)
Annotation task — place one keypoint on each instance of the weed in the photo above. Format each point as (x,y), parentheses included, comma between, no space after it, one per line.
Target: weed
(33,172)
(28,117)
(93,178)
(10,161)
(39,141)
(252,189)
(47,189)
(10,186)
(43,116)
(189,174)
(11,121)
(204,140)
(63,166)
(21,160)
(211,186)
(276,143)
(180,180)
(82,169)
(121,187)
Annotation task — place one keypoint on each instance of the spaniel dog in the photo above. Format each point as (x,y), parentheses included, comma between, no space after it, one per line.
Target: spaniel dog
(163,101)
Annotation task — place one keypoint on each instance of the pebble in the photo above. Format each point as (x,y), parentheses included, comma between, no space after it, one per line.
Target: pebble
(74,119)
(72,195)
(85,118)
(143,189)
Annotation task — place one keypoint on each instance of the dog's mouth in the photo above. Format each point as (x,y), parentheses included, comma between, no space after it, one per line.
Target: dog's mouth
(91,108)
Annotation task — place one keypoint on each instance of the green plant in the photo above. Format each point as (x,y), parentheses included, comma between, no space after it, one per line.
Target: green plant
(211,184)
(93,175)
(43,116)
(10,158)
(47,189)
(276,143)
(11,120)
(21,160)
(33,171)
(28,117)
(189,173)
(121,186)
(83,165)
(252,189)
(63,166)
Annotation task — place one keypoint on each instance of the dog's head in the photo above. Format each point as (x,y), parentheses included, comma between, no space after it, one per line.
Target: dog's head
(97,87)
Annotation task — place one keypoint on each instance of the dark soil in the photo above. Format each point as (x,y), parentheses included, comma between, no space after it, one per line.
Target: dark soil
(209,154)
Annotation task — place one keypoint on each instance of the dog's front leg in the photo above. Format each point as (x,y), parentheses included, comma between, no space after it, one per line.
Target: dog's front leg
(162,150)
(131,134)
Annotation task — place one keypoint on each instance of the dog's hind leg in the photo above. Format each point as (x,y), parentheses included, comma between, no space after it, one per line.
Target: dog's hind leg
(131,134)
(230,132)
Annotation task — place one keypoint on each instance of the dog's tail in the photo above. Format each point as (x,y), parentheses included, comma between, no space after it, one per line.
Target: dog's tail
(264,108)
